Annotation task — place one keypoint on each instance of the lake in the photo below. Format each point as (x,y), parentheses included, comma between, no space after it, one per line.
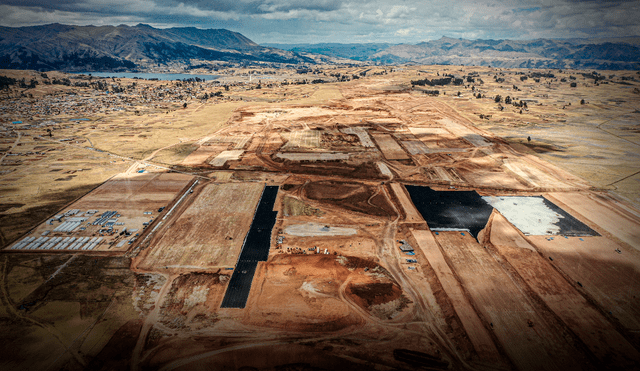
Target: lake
(142,75)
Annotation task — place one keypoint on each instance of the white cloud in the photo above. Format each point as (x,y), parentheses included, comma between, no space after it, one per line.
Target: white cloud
(400,11)
(406,21)
(405,31)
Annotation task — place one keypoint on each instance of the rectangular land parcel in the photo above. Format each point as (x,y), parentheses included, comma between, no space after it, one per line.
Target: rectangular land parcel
(389,147)
(210,232)
(130,201)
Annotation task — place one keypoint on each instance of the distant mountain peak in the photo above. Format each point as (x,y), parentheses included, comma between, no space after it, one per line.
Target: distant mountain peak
(447,38)
(538,53)
(108,48)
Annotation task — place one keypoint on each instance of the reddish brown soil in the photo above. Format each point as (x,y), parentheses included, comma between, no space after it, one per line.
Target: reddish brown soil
(367,170)
(351,196)
(177,312)
(375,292)
(310,294)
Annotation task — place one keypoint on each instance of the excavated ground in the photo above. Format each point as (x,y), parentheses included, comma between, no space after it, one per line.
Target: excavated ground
(337,290)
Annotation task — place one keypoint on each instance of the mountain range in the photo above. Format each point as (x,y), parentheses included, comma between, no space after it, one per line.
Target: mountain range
(358,52)
(613,53)
(142,47)
(111,48)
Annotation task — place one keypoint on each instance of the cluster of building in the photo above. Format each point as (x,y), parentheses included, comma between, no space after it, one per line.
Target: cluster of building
(406,248)
(76,221)
(70,224)
(88,101)
(57,243)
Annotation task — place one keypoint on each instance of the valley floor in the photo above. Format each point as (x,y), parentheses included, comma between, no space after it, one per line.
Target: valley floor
(405,231)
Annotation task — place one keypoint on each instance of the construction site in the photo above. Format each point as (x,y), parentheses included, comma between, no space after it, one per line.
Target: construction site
(367,226)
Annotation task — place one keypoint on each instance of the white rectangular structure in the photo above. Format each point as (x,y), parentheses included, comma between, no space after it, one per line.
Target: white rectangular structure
(225,156)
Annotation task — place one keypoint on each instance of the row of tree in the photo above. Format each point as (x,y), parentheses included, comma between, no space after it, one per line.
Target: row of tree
(6,82)
(438,82)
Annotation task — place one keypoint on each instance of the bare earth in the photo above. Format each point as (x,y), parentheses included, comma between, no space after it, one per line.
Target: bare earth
(335,291)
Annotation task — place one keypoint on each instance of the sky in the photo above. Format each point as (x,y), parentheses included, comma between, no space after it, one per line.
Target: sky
(346,21)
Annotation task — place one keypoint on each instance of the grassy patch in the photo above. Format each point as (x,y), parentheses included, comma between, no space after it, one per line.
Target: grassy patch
(175,154)
(42,206)
(295,207)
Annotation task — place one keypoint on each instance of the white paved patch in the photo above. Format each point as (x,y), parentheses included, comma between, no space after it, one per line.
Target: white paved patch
(225,156)
(529,214)
(384,169)
(362,134)
(465,133)
(314,229)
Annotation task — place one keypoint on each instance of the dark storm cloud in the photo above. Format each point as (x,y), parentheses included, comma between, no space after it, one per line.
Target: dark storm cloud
(245,7)
(249,7)
(46,4)
(348,20)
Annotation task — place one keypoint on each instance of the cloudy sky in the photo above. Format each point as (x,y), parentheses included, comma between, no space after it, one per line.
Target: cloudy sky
(314,21)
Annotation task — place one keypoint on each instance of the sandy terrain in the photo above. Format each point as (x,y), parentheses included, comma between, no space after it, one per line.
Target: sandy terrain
(616,218)
(411,215)
(473,326)
(561,297)
(333,288)
(209,233)
(389,147)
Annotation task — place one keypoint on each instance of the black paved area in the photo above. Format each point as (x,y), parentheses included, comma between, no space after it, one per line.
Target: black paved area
(451,209)
(239,285)
(255,248)
(569,226)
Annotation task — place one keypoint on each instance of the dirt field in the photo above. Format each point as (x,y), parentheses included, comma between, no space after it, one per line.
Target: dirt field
(351,196)
(389,147)
(336,291)
(222,158)
(192,301)
(411,215)
(614,217)
(312,289)
(609,277)
(473,326)
(545,345)
(200,155)
(562,298)
(209,233)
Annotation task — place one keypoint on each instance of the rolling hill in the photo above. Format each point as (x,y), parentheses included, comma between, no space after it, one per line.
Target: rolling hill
(119,48)
(109,48)
(613,53)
